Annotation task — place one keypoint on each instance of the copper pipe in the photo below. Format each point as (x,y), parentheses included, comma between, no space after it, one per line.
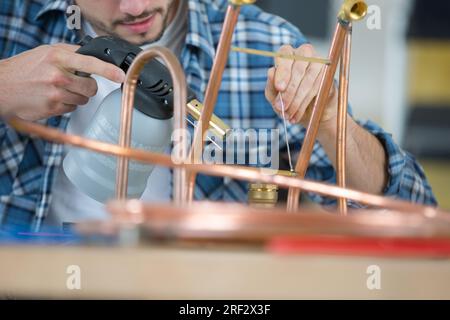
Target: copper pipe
(351,10)
(180,97)
(218,221)
(317,112)
(341,137)
(235,172)
(212,91)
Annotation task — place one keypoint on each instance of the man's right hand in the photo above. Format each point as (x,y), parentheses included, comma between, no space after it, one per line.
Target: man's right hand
(41,83)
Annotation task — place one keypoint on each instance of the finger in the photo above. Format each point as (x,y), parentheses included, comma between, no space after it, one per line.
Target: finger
(61,109)
(299,71)
(71,98)
(77,62)
(270,91)
(83,86)
(98,67)
(305,111)
(272,95)
(309,99)
(305,90)
(283,69)
(67,108)
(67,47)
(306,116)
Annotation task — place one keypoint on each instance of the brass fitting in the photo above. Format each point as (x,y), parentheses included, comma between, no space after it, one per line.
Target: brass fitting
(263,195)
(216,125)
(241,2)
(353,10)
(266,195)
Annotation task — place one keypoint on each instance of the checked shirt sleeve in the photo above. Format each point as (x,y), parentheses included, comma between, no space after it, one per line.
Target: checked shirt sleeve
(406,181)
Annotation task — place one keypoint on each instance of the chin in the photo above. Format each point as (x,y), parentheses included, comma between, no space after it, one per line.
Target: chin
(140,39)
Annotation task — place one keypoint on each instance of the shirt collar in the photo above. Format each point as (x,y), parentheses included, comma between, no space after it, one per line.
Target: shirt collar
(199,30)
(53,5)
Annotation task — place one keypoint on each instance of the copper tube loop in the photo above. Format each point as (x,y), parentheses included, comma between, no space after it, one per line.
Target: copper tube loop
(212,90)
(317,112)
(341,137)
(180,97)
(234,172)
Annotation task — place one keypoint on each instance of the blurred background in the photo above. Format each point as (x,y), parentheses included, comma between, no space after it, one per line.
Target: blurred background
(400,74)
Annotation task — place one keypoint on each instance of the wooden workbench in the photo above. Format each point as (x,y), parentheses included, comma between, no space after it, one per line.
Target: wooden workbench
(175,273)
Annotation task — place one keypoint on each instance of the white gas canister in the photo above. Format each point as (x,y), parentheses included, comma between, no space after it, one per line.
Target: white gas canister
(94,173)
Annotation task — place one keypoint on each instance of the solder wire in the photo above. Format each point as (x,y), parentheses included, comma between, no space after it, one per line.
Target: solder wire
(280,96)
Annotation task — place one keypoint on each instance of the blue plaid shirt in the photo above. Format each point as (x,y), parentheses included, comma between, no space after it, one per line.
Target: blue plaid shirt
(28,165)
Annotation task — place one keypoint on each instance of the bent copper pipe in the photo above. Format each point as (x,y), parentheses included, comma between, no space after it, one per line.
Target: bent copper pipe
(351,10)
(341,137)
(317,112)
(212,90)
(180,97)
(235,172)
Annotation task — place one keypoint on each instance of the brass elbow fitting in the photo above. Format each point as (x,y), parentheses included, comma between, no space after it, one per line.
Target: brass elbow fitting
(353,10)
(263,195)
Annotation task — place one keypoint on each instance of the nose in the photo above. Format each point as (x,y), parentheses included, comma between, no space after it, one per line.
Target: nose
(133,7)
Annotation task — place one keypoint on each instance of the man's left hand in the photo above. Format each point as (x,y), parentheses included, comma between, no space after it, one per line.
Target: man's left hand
(299,83)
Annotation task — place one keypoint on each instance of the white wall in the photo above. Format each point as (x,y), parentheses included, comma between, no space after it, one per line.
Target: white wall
(378,69)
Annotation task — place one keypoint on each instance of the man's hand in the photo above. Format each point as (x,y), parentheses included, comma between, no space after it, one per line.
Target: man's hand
(41,83)
(298,82)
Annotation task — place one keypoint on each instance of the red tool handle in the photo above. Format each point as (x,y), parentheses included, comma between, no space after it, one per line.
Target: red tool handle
(384,247)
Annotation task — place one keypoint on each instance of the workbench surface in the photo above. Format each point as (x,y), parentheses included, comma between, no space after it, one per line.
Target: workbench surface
(180,273)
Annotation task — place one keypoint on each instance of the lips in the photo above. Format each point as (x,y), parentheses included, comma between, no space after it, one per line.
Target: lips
(140,26)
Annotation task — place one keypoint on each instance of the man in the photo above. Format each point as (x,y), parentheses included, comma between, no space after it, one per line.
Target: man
(37,82)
